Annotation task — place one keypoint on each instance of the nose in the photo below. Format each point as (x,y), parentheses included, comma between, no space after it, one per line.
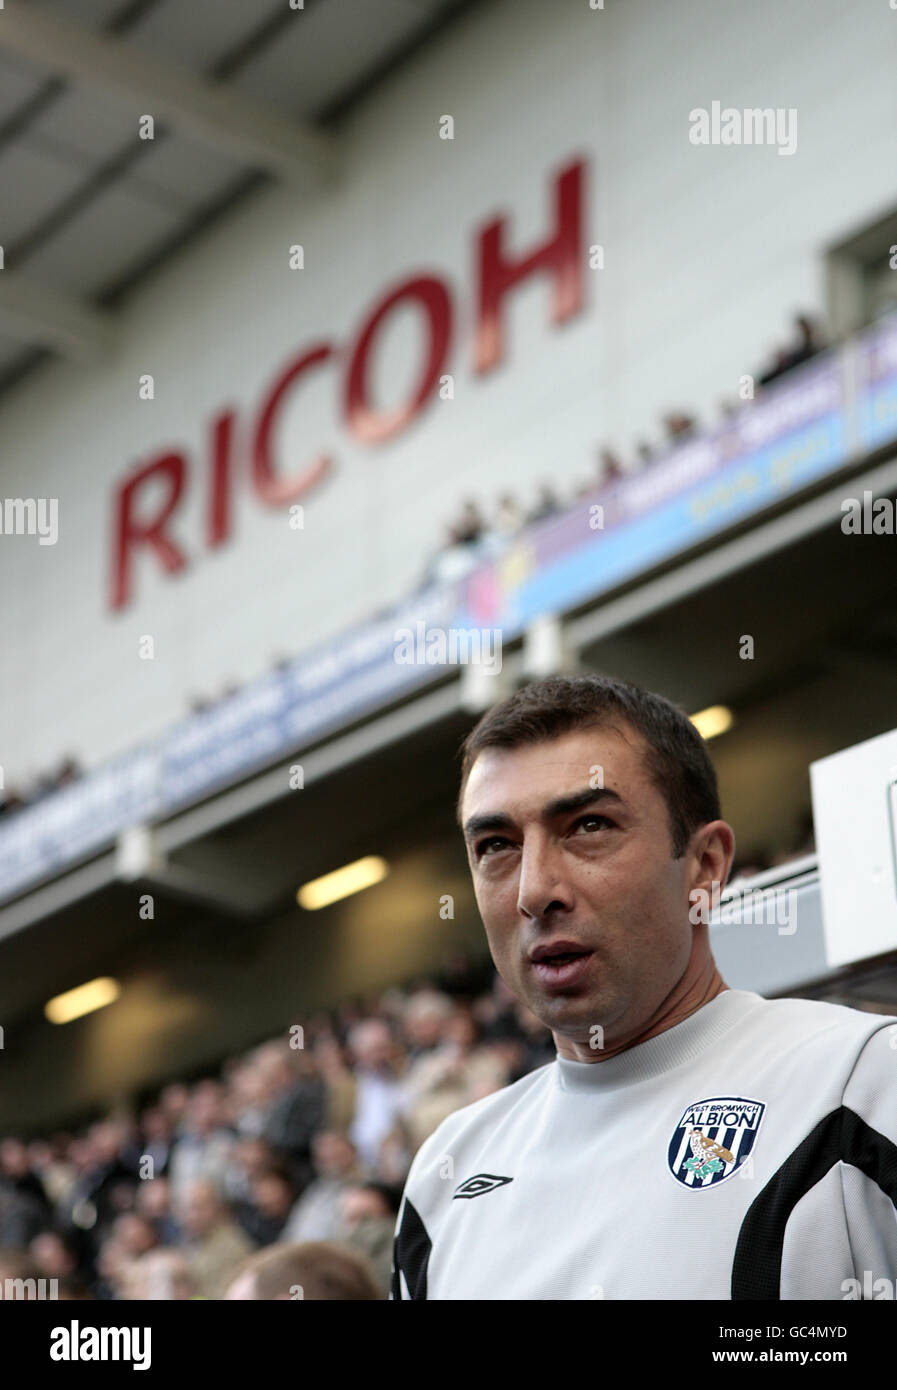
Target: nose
(542,889)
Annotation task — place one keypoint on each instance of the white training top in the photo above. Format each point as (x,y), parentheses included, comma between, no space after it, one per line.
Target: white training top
(750,1152)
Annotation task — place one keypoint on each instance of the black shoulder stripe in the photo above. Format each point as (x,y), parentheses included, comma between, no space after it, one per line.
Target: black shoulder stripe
(841,1136)
(411,1255)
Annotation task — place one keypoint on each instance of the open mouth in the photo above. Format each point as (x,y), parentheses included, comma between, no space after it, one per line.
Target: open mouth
(562,966)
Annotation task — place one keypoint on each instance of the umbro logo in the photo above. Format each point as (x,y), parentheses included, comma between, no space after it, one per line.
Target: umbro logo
(480,1183)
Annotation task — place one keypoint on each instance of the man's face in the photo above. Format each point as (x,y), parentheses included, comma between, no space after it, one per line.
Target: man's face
(556,859)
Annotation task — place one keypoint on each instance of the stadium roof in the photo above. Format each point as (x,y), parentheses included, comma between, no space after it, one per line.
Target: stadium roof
(239,97)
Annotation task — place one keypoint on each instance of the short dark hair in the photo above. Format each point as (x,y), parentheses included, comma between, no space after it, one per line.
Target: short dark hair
(677,758)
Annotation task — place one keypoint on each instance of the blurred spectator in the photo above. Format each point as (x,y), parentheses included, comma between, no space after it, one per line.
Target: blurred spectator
(315,1216)
(297,1105)
(339,1080)
(679,426)
(367,1219)
(215,1246)
(163,1276)
(153,1200)
(378,1102)
(16,1172)
(156,1140)
(174,1100)
(105,1187)
(425,1017)
(454,1074)
(808,340)
(546,505)
(469,527)
(55,1255)
(205,1146)
(135,1234)
(509,516)
(57,1172)
(609,467)
(314,1271)
(272,1193)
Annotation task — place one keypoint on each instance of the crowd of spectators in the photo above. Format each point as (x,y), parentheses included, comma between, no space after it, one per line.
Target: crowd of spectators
(474,536)
(12,799)
(283,1170)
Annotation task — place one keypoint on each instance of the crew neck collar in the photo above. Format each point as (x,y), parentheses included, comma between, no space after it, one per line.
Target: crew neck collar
(681,1043)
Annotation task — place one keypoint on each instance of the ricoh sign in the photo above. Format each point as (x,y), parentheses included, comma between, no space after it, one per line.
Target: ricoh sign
(146,504)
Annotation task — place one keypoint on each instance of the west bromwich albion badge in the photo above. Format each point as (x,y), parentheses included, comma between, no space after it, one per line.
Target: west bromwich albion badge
(713,1139)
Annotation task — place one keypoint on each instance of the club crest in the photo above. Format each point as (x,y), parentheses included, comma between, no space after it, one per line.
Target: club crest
(713,1139)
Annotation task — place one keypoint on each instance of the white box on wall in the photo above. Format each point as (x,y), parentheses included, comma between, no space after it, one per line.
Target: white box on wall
(854,809)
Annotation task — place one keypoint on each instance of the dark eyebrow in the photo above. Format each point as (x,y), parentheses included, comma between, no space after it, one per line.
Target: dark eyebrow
(562,806)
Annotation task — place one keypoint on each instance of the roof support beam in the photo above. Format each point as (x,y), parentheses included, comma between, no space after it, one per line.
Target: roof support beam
(48,318)
(209,112)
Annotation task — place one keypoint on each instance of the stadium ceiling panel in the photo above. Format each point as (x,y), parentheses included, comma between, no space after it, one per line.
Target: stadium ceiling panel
(90,208)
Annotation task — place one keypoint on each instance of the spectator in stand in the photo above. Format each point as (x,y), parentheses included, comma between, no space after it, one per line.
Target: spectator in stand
(367,1224)
(644,452)
(339,1080)
(12,802)
(50,1160)
(457,1072)
(509,517)
(679,426)
(154,1202)
(205,1147)
(424,1020)
(609,467)
(55,1254)
(175,1101)
(105,1187)
(311,1272)
(16,1171)
(215,1246)
(135,1235)
(546,505)
(163,1276)
(808,341)
(297,1105)
(155,1141)
(249,1157)
(22,1216)
(378,1102)
(315,1216)
(272,1194)
(470,526)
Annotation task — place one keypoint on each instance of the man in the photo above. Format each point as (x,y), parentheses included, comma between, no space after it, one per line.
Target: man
(379,1097)
(690,1140)
(215,1245)
(316,1214)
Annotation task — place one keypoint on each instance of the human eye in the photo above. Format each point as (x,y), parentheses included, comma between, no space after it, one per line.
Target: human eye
(487,847)
(589,823)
